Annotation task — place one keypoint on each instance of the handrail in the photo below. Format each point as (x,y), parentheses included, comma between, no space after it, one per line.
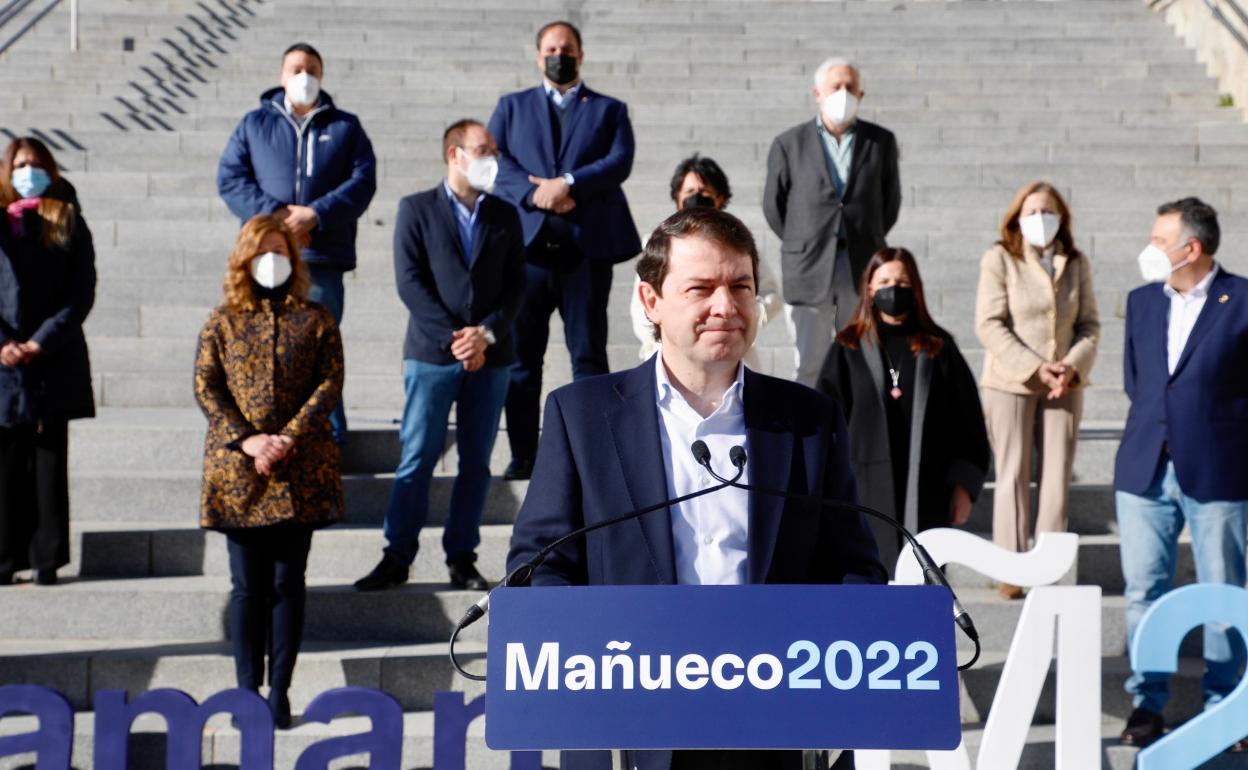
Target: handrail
(1212,5)
(11,9)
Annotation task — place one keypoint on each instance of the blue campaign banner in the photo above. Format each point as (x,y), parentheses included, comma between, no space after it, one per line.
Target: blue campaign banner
(728,667)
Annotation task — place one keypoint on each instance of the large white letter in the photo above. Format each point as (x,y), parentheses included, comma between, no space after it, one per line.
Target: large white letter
(547,663)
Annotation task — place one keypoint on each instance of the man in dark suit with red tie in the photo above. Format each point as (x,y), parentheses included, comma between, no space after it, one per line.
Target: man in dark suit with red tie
(564,151)
(620,442)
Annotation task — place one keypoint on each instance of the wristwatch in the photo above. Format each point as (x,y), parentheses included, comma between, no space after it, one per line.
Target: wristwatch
(490,339)
(571,180)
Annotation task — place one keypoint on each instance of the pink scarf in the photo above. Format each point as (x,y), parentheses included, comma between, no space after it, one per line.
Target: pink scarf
(16,209)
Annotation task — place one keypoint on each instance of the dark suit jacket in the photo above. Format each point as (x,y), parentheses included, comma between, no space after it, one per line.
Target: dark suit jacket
(596,148)
(441,292)
(600,456)
(802,206)
(1200,411)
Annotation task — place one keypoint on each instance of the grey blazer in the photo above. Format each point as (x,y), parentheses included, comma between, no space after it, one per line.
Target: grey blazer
(802,207)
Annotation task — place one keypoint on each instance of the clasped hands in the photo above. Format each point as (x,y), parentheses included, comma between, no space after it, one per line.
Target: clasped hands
(468,346)
(300,219)
(552,194)
(268,450)
(1057,377)
(14,353)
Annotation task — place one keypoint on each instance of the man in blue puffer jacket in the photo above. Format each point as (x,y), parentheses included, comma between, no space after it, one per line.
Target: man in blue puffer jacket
(302,158)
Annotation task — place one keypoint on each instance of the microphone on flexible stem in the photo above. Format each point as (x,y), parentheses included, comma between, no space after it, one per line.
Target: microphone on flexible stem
(521,576)
(932,574)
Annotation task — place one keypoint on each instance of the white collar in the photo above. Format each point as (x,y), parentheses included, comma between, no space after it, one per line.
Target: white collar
(1198,291)
(731,402)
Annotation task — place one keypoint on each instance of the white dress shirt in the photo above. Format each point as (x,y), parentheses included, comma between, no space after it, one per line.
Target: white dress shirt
(1184,310)
(710,534)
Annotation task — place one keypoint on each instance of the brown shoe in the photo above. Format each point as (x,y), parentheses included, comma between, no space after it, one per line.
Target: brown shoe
(1009,592)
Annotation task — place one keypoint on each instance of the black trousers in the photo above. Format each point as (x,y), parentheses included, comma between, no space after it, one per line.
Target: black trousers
(34,497)
(580,295)
(268,600)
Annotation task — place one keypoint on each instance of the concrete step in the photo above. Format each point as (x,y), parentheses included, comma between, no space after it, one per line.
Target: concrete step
(194,609)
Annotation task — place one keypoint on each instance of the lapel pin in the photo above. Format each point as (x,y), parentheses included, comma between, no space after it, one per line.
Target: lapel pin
(1224,298)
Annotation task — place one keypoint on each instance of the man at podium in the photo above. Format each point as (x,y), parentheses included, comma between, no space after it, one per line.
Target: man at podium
(622,441)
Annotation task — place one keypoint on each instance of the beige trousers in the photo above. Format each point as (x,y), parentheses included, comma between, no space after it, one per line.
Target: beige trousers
(1016,424)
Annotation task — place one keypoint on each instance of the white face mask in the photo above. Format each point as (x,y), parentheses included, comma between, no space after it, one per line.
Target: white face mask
(270,269)
(482,172)
(1155,264)
(303,89)
(1039,229)
(839,108)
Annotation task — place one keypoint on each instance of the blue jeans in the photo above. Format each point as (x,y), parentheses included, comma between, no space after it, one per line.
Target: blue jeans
(1149,525)
(431,389)
(327,290)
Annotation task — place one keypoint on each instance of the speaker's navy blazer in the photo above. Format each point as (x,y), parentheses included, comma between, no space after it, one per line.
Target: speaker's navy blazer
(600,456)
(1200,411)
(442,293)
(596,148)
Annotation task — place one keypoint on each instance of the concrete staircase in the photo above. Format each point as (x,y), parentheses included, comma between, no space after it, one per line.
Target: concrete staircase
(1094,95)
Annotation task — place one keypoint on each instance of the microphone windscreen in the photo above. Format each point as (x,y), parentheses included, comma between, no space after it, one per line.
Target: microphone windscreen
(700,452)
(737,456)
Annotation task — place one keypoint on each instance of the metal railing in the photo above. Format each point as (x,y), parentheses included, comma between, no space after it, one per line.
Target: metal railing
(13,8)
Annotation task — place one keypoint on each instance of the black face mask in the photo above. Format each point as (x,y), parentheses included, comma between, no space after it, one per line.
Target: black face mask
(698,199)
(561,69)
(894,300)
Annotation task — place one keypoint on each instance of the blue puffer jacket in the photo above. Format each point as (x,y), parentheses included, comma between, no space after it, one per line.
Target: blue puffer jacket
(326,163)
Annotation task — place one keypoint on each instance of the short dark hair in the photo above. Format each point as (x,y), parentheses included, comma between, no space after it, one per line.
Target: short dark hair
(1199,220)
(453,136)
(707,170)
(718,227)
(576,33)
(304,48)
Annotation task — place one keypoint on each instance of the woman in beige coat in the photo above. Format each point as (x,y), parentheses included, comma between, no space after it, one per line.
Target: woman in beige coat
(1036,316)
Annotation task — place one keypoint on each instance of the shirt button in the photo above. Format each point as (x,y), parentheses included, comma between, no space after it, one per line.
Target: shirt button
(708,540)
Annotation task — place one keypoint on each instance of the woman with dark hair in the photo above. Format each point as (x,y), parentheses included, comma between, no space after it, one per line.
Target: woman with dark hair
(699,181)
(917,440)
(1035,313)
(47,287)
(267,375)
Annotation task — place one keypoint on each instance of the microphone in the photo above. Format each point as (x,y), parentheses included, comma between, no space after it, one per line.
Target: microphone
(932,574)
(523,575)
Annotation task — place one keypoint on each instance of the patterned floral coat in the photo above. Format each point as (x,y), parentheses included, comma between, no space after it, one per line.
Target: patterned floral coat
(278,370)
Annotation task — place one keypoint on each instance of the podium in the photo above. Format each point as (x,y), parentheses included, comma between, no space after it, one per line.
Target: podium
(722,667)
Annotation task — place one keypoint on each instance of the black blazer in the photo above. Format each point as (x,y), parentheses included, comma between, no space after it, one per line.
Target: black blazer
(45,295)
(802,207)
(948,441)
(441,293)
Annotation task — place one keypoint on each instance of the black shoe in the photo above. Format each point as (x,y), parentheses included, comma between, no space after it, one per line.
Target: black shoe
(518,470)
(389,572)
(279,703)
(45,577)
(464,575)
(1143,727)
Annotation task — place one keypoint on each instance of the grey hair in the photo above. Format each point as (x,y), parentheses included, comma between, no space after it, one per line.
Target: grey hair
(832,62)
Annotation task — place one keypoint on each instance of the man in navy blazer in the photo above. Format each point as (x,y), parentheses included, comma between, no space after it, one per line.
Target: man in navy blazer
(459,266)
(621,441)
(1184,449)
(564,151)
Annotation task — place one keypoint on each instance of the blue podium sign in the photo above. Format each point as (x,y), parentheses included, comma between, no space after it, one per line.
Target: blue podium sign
(726,667)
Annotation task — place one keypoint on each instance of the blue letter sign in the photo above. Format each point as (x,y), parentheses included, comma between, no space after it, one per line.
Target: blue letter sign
(734,667)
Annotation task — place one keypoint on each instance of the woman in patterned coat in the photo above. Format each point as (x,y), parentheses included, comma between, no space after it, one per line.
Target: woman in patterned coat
(267,375)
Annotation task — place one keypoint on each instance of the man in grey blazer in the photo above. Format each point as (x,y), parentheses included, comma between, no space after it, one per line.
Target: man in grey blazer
(833,193)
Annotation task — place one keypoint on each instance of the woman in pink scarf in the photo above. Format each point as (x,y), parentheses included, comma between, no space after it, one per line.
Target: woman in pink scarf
(47,287)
